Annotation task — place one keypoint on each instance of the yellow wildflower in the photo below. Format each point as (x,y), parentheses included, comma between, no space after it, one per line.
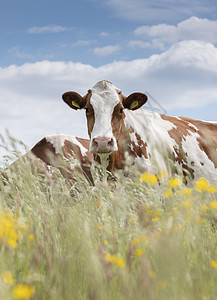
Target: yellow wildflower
(31,237)
(8,278)
(98,226)
(213,263)
(204,208)
(179,228)
(162,174)
(22,291)
(152,274)
(186,191)
(8,228)
(213,204)
(212,189)
(139,252)
(202,185)
(155,219)
(167,193)
(139,240)
(132,220)
(149,178)
(115,260)
(98,203)
(174,182)
(12,243)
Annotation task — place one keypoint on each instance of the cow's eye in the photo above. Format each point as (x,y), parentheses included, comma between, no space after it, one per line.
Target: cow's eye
(121,111)
(87,110)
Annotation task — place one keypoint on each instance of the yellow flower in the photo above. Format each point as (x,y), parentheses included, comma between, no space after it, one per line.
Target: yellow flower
(167,193)
(174,182)
(149,178)
(98,226)
(132,220)
(139,240)
(152,274)
(214,264)
(202,185)
(204,208)
(22,291)
(186,191)
(155,219)
(115,260)
(179,228)
(31,237)
(98,203)
(12,243)
(212,189)
(162,174)
(8,278)
(213,204)
(139,252)
(8,228)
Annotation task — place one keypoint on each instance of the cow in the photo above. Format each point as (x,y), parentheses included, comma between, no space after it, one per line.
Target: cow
(118,125)
(67,153)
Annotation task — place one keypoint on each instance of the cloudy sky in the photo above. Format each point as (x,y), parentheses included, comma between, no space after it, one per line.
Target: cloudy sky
(168,48)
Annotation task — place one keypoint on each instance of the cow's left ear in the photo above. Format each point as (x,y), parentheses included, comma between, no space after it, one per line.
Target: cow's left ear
(135,101)
(74,100)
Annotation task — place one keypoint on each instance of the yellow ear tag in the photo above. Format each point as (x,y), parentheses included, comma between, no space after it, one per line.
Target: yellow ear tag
(134,104)
(75,104)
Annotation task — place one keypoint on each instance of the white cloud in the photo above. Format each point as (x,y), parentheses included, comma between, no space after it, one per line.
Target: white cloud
(158,10)
(82,43)
(144,45)
(191,29)
(19,53)
(104,34)
(107,50)
(47,29)
(184,76)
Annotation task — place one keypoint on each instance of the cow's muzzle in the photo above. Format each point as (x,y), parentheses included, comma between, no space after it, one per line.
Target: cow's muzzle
(102,145)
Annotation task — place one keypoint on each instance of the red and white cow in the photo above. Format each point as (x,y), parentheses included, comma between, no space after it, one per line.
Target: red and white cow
(67,153)
(117,124)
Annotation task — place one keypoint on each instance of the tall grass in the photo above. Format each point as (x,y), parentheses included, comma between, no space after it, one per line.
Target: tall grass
(132,238)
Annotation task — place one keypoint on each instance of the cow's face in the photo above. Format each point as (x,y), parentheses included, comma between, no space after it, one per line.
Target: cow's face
(104,105)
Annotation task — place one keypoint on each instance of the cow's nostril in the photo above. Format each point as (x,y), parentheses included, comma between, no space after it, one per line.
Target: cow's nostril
(95,143)
(111,142)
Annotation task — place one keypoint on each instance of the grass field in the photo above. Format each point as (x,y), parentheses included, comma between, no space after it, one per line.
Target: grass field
(129,239)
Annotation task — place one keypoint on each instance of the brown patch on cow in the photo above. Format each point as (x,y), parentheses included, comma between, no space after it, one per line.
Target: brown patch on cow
(117,120)
(206,131)
(89,113)
(207,139)
(180,158)
(139,148)
(46,152)
(183,128)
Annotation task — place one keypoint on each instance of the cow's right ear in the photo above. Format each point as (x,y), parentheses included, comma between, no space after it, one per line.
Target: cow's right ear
(74,100)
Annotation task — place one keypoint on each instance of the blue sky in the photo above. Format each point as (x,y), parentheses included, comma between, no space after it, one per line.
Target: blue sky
(168,48)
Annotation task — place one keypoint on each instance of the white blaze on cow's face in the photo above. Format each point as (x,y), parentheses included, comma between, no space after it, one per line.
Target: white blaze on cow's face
(104,98)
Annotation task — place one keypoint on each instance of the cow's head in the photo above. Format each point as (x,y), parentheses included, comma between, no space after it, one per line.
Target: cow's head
(104,105)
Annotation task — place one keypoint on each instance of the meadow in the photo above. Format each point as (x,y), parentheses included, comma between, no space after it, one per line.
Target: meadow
(139,237)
